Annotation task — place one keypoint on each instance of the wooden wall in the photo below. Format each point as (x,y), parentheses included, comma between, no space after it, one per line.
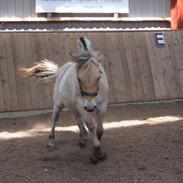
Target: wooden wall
(137,70)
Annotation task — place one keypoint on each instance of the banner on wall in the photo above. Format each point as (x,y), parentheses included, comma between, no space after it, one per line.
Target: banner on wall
(82,6)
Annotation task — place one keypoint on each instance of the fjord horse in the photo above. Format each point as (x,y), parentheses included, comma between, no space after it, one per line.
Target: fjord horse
(81,86)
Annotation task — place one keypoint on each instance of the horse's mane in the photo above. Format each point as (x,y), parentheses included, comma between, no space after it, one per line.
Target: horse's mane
(82,59)
(84,52)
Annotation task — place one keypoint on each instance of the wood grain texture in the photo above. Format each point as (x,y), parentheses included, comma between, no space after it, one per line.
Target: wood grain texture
(137,70)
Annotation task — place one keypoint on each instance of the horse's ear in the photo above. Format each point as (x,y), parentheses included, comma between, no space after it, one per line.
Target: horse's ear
(74,57)
(99,56)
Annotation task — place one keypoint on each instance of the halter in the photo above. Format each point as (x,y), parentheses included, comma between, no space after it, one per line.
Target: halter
(88,94)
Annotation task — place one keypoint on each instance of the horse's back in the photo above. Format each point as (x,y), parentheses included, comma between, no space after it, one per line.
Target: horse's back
(63,70)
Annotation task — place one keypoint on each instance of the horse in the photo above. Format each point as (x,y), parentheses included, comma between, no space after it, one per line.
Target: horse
(81,86)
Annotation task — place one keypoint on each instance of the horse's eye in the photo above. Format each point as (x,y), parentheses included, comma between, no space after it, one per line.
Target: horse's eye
(101,72)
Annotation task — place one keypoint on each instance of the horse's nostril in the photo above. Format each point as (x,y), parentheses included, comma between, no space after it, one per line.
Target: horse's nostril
(85,108)
(95,107)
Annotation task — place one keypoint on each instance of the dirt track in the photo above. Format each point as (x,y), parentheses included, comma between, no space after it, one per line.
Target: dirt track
(144,144)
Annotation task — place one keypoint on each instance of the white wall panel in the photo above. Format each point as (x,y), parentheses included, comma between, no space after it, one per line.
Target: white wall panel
(149,8)
(138,8)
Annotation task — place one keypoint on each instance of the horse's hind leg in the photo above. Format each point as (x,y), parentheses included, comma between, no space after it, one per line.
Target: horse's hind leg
(55,116)
(83,131)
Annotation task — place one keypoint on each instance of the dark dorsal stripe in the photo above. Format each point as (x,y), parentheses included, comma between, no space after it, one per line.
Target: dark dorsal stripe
(84,43)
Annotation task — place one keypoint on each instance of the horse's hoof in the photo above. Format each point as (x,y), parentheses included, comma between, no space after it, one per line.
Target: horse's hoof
(93,160)
(82,144)
(51,145)
(100,155)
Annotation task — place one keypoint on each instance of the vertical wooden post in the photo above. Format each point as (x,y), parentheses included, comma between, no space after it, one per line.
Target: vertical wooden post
(177,14)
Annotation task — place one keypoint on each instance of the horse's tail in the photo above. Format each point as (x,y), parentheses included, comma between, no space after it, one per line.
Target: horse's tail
(44,70)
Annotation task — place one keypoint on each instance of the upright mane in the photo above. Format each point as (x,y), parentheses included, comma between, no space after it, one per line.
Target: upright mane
(84,52)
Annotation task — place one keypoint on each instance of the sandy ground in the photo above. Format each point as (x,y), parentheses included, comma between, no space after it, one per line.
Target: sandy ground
(144,144)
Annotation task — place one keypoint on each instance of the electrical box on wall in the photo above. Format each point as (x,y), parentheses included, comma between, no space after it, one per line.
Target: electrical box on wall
(159,39)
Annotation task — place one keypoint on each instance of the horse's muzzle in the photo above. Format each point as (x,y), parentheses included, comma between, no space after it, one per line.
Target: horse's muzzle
(90,109)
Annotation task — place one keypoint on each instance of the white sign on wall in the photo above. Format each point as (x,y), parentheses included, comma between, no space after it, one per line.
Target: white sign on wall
(159,39)
(82,6)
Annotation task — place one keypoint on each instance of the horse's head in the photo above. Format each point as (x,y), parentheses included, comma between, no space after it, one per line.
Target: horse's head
(88,77)
(88,74)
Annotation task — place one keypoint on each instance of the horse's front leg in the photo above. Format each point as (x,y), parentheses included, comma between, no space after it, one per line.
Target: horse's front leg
(100,111)
(83,131)
(91,124)
(97,154)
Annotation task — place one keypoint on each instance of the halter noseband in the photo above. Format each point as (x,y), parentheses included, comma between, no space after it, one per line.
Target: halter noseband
(88,94)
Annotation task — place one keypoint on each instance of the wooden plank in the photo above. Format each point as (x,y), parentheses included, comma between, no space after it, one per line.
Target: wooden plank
(5,75)
(39,47)
(34,84)
(48,53)
(124,61)
(25,61)
(178,46)
(144,67)
(2,105)
(20,51)
(12,70)
(154,52)
(133,66)
(33,104)
(123,82)
(175,49)
(169,77)
(112,65)
(180,61)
